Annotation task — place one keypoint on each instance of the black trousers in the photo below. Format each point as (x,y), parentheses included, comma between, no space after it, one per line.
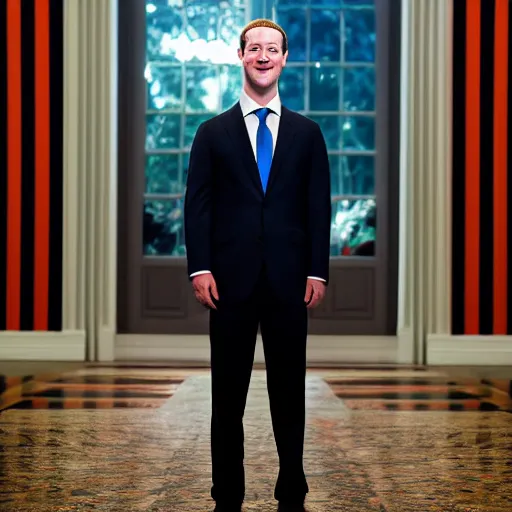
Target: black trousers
(233,332)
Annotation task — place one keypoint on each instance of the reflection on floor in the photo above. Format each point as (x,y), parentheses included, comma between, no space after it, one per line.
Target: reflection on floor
(136,438)
(361,388)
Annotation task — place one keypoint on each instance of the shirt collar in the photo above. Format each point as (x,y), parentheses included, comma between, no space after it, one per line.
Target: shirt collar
(248,105)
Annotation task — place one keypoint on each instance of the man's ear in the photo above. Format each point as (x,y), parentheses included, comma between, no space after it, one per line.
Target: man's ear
(240,54)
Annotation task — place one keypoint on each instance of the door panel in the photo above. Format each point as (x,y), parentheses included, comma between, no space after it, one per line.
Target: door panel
(168,305)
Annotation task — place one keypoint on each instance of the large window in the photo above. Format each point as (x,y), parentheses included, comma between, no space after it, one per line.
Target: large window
(192,73)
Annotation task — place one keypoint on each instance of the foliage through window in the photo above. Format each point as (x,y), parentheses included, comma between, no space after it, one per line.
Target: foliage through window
(193,73)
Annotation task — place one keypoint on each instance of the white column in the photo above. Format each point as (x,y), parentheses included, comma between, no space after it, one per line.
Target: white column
(90,170)
(425,176)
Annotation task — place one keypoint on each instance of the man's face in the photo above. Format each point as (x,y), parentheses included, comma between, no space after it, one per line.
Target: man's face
(263,58)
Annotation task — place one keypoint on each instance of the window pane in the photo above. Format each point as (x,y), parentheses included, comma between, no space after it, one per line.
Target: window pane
(163,174)
(353,176)
(230,84)
(289,2)
(358,133)
(291,88)
(359,35)
(356,175)
(353,228)
(164,24)
(354,133)
(360,3)
(164,87)
(192,123)
(327,3)
(202,88)
(325,89)
(163,131)
(330,126)
(334,166)
(185,31)
(359,88)
(163,231)
(325,35)
(293,22)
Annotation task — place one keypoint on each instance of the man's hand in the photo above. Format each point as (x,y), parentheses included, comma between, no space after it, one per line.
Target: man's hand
(315,292)
(204,288)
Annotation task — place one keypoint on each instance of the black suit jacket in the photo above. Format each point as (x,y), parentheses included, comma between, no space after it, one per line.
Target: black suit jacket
(235,230)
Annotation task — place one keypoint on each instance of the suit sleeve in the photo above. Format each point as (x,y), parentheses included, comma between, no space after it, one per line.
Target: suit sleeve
(319,208)
(198,204)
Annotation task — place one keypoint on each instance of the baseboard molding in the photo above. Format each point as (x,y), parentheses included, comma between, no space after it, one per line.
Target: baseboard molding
(42,346)
(469,350)
(321,349)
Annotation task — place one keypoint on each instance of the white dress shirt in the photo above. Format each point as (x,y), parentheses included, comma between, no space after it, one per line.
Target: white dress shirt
(252,122)
(248,106)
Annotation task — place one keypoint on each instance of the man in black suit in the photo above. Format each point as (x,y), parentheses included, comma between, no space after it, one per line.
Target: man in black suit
(257,229)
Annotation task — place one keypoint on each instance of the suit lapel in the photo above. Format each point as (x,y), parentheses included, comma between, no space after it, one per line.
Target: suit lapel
(238,132)
(284,139)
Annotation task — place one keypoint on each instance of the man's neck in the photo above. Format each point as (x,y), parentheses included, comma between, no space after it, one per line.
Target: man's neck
(262,97)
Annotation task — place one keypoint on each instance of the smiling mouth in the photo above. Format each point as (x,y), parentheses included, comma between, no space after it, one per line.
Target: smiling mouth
(263,69)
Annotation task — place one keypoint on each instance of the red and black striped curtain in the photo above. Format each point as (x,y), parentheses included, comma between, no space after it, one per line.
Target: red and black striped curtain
(482,178)
(31,109)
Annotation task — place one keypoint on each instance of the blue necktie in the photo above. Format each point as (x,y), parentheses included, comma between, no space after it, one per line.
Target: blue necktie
(264,146)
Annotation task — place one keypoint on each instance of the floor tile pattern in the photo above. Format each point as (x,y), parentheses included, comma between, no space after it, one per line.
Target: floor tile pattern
(93,388)
(153,455)
(394,388)
(427,392)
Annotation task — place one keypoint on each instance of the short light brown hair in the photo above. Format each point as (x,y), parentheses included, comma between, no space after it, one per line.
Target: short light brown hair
(263,23)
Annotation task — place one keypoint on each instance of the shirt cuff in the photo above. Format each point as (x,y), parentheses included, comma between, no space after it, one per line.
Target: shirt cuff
(200,272)
(316,278)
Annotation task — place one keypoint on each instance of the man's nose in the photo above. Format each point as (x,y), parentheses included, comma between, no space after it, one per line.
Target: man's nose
(263,56)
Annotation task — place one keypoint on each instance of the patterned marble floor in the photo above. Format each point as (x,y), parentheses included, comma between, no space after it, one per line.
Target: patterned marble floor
(137,439)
